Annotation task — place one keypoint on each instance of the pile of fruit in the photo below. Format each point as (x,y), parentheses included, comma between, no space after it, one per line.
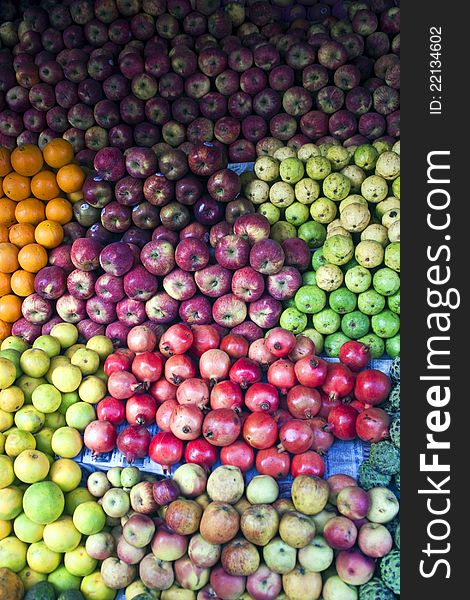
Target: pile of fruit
(210,536)
(243,77)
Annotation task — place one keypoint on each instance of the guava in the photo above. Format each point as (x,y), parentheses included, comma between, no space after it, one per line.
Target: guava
(296,214)
(323,210)
(79,415)
(307,190)
(394,303)
(388,165)
(42,559)
(7,373)
(394,231)
(66,474)
(336,186)
(318,167)
(316,338)
(352,199)
(334,342)
(19,440)
(62,535)
(26,530)
(281,194)
(12,555)
(271,212)
(282,230)
(386,281)
(376,233)
(266,168)
(369,254)
(43,502)
(291,170)
(392,256)
(43,440)
(382,145)
(31,466)
(374,189)
(11,499)
(386,324)
(46,398)
(370,302)
(29,419)
(325,147)
(89,518)
(35,362)
(390,217)
(338,249)
(310,299)
(376,345)
(355,217)
(350,265)
(338,230)
(355,175)
(313,233)
(318,259)
(293,320)
(338,156)
(329,277)
(392,346)
(365,157)
(308,278)
(49,344)
(396,187)
(66,442)
(63,581)
(355,324)
(307,151)
(342,301)
(388,204)
(326,321)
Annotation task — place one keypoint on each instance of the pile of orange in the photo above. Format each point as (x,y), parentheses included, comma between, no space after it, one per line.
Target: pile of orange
(34,205)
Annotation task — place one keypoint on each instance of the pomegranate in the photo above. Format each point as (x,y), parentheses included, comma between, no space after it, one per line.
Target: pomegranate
(311,371)
(282,374)
(227,394)
(205,337)
(339,381)
(186,422)
(245,372)
(234,345)
(271,461)
(354,355)
(147,366)
(260,354)
(322,438)
(342,421)
(239,454)
(200,452)
(122,385)
(214,365)
(141,339)
(133,442)
(308,463)
(358,406)
(282,416)
(260,430)
(372,425)
(164,413)
(327,404)
(141,409)
(262,397)
(303,402)
(193,391)
(100,436)
(112,410)
(372,386)
(178,368)
(165,449)
(163,390)
(118,361)
(280,342)
(296,436)
(303,347)
(177,339)
(221,427)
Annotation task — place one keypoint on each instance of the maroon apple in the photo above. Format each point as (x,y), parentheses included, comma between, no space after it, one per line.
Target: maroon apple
(179,285)
(205,159)
(131,312)
(161,308)
(101,311)
(109,163)
(115,217)
(240,59)
(253,80)
(229,311)
(191,254)
(283,126)
(267,257)
(81,284)
(70,309)
(300,55)
(240,105)
(213,281)
(212,61)
(247,284)
(265,312)
(196,311)
(84,254)
(158,257)
(110,288)
(232,252)
(242,151)
(174,216)
(141,162)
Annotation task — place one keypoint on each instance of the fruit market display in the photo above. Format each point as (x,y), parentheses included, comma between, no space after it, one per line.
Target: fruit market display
(245,75)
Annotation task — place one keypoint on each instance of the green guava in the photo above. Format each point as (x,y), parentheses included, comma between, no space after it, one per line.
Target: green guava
(355,217)
(386,324)
(342,301)
(316,338)
(336,186)
(293,320)
(329,277)
(334,342)
(355,175)
(338,156)
(374,189)
(318,167)
(313,233)
(323,210)
(370,302)
(326,321)
(358,279)
(388,165)
(394,303)
(369,254)
(392,256)
(392,346)
(376,345)
(318,259)
(291,170)
(338,249)
(309,278)
(310,299)
(366,157)
(386,281)
(355,324)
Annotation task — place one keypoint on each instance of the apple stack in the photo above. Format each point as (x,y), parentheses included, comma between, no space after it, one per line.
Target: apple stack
(244,77)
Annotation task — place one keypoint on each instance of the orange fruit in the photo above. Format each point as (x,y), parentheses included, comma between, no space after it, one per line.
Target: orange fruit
(30,211)
(16,186)
(22,234)
(10,308)
(4,233)
(27,160)
(32,258)
(5,330)
(49,234)
(8,257)
(70,178)
(5,284)
(5,164)
(7,212)
(60,210)
(22,283)
(44,185)
(58,152)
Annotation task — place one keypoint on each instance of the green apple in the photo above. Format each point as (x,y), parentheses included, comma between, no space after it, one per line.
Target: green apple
(323,210)
(334,342)
(365,157)
(336,186)
(129,476)
(282,230)
(338,249)
(307,190)
(92,389)
(392,256)
(291,170)
(329,277)
(374,189)
(392,346)
(102,345)
(356,176)
(267,168)
(114,476)
(338,156)
(313,233)
(67,378)
(327,321)
(89,518)
(281,194)
(318,167)
(307,151)
(116,502)
(46,398)
(369,254)
(310,299)
(355,324)
(376,345)
(271,212)
(49,344)
(62,535)
(86,360)
(342,300)
(296,214)
(34,362)
(257,191)
(66,333)
(79,415)
(370,302)
(293,320)
(78,562)
(386,324)
(358,279)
